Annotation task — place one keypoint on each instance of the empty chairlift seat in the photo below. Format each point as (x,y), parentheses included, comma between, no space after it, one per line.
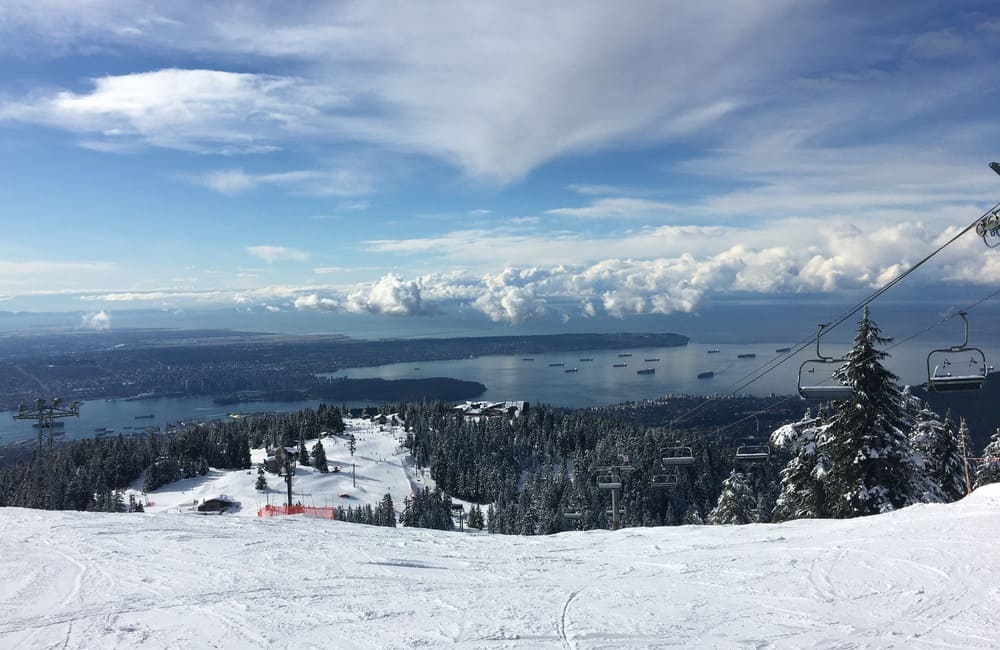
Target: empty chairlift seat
(958,368)
(609,482)
(821,386)
(664,480)
(753,453)
(676,456)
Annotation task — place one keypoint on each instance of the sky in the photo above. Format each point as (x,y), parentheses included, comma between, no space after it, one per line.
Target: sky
(514,162)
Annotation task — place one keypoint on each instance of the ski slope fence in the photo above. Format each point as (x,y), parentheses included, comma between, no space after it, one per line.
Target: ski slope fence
(281,511)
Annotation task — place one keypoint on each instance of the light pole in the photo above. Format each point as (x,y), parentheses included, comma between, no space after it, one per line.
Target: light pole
(46,415)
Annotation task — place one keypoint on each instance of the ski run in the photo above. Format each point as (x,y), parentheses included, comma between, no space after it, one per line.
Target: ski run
(927,576)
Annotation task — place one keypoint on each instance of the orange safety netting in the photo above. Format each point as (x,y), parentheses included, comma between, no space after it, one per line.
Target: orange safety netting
(309,511)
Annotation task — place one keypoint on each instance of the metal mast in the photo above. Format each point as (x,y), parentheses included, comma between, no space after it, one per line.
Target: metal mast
(46,413)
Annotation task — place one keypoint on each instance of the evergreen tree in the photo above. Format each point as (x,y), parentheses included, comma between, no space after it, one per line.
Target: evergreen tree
(988,470)
(736,503)
(303,454)
(692,517)
(871,466)
(319,457)
(476,518)
(261,483)
(802,494)
(385,513)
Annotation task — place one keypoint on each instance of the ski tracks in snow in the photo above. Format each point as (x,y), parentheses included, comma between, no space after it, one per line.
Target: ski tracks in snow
(562,620)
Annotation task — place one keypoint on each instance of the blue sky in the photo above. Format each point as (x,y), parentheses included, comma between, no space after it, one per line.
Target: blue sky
(520,161)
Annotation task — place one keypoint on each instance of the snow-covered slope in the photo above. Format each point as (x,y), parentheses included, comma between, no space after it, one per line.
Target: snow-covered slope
(926,576)
(382,466)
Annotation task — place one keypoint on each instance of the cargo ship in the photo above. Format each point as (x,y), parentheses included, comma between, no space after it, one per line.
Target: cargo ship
(708,374)
(646,371)
(746,355)
(619,365)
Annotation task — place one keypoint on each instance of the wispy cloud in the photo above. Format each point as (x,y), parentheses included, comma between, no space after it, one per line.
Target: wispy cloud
(195,110)
(619,208)
(495,100)
(328,182)
(271,254)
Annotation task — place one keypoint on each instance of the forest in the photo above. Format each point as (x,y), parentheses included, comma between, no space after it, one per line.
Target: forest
(543,470)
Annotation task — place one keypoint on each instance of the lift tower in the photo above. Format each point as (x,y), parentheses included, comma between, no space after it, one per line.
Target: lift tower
(46,413)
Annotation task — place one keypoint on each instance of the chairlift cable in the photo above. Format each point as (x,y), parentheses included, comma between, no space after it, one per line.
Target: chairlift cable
(895,344)
(766,368)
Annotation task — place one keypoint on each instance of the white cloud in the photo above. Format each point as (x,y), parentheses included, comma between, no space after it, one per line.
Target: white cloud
(390,296)
(194,110)
(618,208)
(314,302)
(511,304)
(100,320)
(481,86)
(328,182)
(271,254)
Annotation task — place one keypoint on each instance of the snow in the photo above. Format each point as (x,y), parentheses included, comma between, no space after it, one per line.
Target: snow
(924,576)
(382,466)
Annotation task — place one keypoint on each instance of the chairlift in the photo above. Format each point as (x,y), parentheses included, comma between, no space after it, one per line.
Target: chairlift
(609,482)
(750,451)
(665,480)
(676,456)
(969,376)
(753,453)
(820,391)
(572,515)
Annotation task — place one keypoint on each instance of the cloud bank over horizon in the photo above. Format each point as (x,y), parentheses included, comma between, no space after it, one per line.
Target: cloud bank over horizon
(518,161)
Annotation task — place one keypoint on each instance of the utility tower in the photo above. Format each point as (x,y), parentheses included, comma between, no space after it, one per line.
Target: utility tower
(47,413)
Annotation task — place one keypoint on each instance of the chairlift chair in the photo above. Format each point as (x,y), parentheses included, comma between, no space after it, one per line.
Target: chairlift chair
(609,482)
(665,480)
(750,451)
(753,453)
(819,391)
(971,377)
(676,456)
(573,514)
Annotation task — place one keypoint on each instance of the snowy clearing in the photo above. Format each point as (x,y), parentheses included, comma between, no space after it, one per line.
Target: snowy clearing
(382,466)
(926,576)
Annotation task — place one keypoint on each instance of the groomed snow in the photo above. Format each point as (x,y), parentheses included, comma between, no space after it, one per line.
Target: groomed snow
(926,576)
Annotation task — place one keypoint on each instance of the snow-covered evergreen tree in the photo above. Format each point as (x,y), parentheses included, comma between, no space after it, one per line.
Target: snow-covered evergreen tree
(261,483)
(989,469)
(476,517)
(736,503)
(802,494)
(318,457)
(385,512)
(872,467)
(939,444)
